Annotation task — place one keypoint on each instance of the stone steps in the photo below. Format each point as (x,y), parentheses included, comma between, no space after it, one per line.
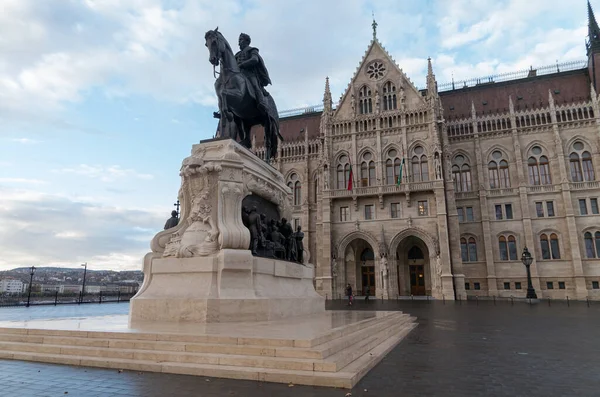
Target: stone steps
(220,354)
(334,358)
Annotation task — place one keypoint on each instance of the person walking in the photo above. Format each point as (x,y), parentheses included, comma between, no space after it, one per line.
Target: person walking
(367,293)
(349,294)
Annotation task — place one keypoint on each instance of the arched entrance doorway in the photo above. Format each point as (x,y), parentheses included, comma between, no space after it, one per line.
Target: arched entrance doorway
(359,264)
(413,270)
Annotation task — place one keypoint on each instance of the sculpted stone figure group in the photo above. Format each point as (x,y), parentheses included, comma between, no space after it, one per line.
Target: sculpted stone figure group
(273,238)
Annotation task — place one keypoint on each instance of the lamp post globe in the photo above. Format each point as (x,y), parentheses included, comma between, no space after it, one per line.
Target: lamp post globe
(527,260)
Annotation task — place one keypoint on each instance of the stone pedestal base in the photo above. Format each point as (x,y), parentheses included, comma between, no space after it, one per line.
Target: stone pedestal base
(230,286)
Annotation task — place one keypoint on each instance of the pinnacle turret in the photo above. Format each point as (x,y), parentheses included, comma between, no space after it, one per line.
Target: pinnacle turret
(593,44)
(431,83)
(327,100)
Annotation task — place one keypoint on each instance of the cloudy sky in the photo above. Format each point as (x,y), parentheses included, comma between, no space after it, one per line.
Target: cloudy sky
(100,100)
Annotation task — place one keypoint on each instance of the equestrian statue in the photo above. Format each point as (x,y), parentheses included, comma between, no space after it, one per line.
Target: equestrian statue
(240,88)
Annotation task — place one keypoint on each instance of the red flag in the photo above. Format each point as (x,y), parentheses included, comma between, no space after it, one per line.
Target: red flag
(350,178)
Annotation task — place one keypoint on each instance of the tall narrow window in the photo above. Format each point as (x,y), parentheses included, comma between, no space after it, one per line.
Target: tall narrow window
(498,171)
(545,171)
(545,246)
(512,248)
(461,172)
(296,187)
(470,217)
(472,250)
(575,165)
(389,96)
(367,170)
(580,163)
(534,172)
(493,175)
(597,241)
(583,207)
(588,167)
(389,172)
(365,104)
(539,209)
(554,248)
(508,210)
(416,169)
(343,172)
(461,214)
(590,251)
(316,188)
(464,250)
(456,178)
(504,174)
(498,212)
(503,248)
(539,167)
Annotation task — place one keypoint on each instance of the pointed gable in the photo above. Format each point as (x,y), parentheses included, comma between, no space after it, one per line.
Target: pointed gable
(376,68)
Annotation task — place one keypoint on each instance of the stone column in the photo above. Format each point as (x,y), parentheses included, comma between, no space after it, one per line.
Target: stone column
(573,233)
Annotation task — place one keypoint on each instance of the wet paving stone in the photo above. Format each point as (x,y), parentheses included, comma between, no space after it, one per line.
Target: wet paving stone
(458,349)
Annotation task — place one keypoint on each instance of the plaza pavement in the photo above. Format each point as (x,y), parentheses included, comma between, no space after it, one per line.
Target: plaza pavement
(458,349)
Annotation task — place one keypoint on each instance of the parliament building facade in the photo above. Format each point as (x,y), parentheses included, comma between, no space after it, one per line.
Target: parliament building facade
(437,191)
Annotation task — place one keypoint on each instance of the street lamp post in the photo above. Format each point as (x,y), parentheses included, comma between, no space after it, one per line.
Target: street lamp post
(527,259)
(31,273)
(83,286)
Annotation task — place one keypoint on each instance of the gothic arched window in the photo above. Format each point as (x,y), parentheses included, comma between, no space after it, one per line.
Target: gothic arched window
(296,187)
(539,167)
(507,246)
(549,246)
(365,102)
(420,167)
(392,167)
(580,164)
(389,96)
(343,172)
(468,249)
(592,244)
(367,170)
(498,171)
(461,173)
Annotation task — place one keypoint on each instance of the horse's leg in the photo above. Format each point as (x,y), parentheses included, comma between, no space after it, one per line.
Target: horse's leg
(247,142)
(241,132)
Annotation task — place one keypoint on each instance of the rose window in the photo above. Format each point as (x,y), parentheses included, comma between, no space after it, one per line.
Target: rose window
(376,70)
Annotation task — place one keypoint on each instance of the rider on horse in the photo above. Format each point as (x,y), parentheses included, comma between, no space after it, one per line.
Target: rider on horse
(253,67)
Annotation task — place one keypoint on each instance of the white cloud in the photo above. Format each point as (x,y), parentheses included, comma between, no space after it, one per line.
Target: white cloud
(22,181)
(156,48)
(25,141)
(74,235)
(43,229)
(104,173)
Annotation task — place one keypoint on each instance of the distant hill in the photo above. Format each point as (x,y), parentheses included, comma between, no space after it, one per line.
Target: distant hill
(72,275)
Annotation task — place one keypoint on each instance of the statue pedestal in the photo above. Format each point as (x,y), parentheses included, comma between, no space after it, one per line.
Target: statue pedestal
(202,270)
(231,286)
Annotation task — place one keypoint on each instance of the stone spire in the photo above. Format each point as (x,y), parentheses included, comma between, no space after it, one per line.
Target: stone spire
(593,44)
(374,25)
(431,83)
(327,100)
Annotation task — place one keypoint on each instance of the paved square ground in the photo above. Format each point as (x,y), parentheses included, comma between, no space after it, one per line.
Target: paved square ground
(458,349)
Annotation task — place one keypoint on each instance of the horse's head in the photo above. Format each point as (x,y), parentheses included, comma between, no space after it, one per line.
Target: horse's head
(214,45)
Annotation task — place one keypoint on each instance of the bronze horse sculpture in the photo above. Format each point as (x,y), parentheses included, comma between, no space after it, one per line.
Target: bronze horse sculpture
(239,108)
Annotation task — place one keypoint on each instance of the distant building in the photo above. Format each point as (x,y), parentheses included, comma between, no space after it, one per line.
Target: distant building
(12,286)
